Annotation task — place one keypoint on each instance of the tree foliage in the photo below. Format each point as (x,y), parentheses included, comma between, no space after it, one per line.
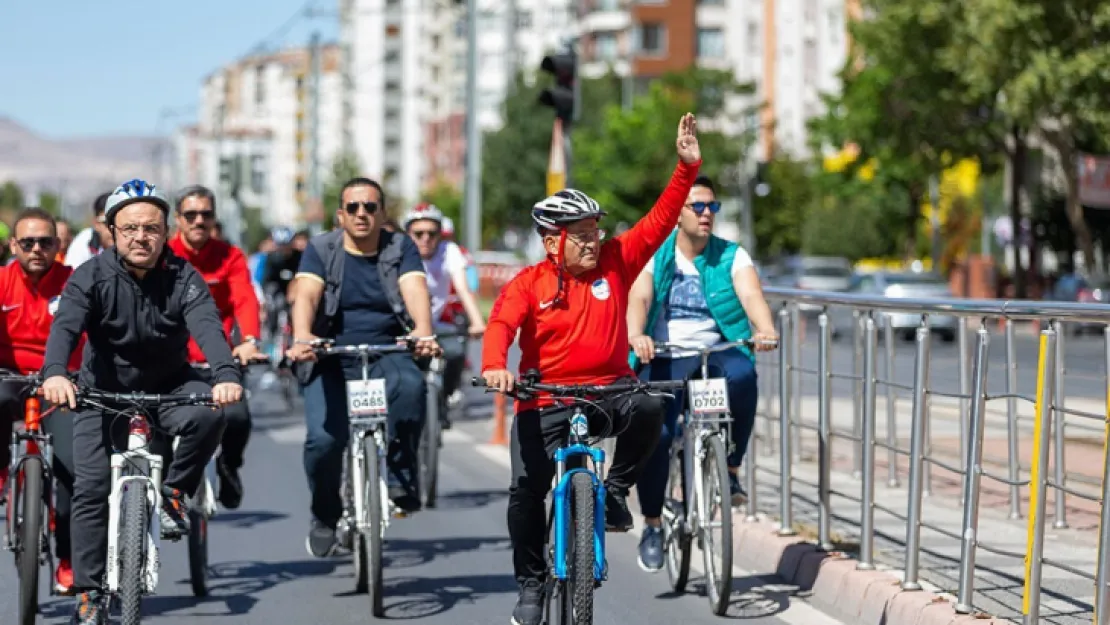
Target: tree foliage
(779,215)
(11,196)
(625,162)
(448,199)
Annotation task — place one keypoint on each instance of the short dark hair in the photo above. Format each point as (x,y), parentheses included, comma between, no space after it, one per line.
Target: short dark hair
(704,181)
(34,212)
(195,190)
(100,203)
(363,182)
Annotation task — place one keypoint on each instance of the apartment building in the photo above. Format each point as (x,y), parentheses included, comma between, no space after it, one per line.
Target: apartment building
(253,124)
(791,50)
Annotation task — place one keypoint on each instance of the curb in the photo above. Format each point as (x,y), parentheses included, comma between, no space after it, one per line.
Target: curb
(836,587)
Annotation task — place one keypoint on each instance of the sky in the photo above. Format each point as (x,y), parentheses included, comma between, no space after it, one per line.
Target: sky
(83,68)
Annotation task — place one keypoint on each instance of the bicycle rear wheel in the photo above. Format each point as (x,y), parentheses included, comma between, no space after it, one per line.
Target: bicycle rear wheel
(715,506)
(28,515)
(676,537)
(133,514)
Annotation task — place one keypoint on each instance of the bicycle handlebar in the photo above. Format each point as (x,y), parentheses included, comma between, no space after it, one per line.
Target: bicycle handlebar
(146,400)
(327,347)
(261,359)
(529,384)
(663,346)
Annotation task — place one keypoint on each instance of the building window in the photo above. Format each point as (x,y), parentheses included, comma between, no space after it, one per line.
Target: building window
(605,46)
(711,43)
(258,173)
(391,115)
(460,62)
(392,145)
(524,19)
(754,40)
(460,28)
(653,39)
(711,2)
(392,85)
(260,85)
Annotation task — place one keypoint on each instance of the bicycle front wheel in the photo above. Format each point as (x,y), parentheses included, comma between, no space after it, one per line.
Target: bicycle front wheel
(676,538)
(133,514)
(582,565)
(716,525)
(429,451)
(198,543)
(371,539)
(28,515)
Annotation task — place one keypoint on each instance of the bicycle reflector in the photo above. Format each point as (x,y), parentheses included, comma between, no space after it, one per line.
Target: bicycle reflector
(140,427)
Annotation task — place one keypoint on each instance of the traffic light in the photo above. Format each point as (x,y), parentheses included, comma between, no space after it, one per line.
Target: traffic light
(560,96)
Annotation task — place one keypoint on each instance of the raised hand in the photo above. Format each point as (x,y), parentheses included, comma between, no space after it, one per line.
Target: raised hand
(687,143)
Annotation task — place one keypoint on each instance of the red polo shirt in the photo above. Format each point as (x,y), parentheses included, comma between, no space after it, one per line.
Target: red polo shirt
(224,268)
(26,313)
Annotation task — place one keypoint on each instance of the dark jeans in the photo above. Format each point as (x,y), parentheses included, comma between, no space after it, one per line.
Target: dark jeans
(60,425)
(536,434)
(94,436)
(237,432)
(743,396)
(328,429)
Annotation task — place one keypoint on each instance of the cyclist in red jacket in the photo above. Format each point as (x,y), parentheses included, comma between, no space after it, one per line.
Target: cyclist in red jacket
(570,311)
(224,268)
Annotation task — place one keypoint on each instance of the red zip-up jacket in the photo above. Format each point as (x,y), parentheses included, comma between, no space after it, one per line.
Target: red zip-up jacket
(26,313)
(583,339)
(224,268)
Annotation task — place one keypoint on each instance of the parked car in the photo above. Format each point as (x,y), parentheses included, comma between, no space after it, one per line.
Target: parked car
(900,285)
(813,273)
(1073,287)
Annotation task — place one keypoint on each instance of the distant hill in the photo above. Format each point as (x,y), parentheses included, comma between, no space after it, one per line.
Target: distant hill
(79,169)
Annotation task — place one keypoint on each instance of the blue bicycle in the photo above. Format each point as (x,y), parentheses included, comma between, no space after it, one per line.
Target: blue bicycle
(576,520)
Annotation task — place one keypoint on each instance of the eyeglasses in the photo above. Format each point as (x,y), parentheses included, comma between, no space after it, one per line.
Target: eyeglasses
(352,207)
(699,207)
(191,216)
(421,234)
(584,238)
(131,231)
(28,243)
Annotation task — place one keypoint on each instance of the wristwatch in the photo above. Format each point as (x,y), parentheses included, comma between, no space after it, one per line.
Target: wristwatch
(252,341)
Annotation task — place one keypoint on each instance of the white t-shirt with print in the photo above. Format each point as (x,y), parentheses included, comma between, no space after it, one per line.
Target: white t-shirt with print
(685,319)
(447,261)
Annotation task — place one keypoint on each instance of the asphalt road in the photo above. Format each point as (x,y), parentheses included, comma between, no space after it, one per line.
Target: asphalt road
(448,565)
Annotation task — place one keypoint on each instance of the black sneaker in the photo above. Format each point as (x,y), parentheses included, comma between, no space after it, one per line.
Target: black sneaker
(405,501)
(231,487)
(321,541)
(617,516)
(651,549)
(90,609)
(529,606)
(737,492)
(174,515)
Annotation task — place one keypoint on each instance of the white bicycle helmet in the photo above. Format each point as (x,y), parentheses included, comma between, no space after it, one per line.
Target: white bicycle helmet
(565,207)
(281,235)
(131,192)
(423,211)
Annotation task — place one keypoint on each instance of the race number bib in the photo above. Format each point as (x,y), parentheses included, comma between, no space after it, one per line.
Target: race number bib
(366,397)
(708,396)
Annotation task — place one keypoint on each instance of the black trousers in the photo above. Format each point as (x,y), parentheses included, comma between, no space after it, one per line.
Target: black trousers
(237,432)
(60,425)
(95,435)
(637,421)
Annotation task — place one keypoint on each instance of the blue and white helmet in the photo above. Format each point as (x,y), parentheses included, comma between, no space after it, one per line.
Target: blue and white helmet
(565,207)
(281,235)
(131,192)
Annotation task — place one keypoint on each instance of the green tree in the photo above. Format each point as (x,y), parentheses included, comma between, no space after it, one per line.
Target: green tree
(779,216)
(1044,61)
(624,162)
(254,229)
(51,203)
(344,168)
(447,198)
(11,196)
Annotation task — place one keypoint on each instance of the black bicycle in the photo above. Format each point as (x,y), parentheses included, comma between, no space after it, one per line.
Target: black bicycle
(577,514)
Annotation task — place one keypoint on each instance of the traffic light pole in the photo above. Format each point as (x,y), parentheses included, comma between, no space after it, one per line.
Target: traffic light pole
(472,233)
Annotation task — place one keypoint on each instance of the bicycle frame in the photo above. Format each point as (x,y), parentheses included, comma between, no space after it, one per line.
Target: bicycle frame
(138,437)
(40,444)
(577,448)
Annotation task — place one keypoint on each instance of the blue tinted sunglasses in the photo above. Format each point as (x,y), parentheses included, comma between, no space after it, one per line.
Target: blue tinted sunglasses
(699,207)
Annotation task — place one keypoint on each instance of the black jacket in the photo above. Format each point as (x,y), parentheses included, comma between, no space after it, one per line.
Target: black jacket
(138,330)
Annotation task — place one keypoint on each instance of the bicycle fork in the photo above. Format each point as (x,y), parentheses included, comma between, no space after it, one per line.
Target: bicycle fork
(152,487)
(359,439)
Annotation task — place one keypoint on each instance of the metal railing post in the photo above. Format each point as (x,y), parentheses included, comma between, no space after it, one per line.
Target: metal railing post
(891,407)
(857,392)
(824,427)
(785,481)
(965,389)
(973,471)
(797,338)
(1012,440)
(1059,420)
(917,455)
(1038,483)
(1102,576)
(867,492)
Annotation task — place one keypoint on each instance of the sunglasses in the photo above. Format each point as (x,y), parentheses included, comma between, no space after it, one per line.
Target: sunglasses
(420,234)
(699,207)
(28,243)
(352,207)
(191,216)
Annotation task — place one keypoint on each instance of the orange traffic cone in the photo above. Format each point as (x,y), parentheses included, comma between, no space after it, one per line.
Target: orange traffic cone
(498,437)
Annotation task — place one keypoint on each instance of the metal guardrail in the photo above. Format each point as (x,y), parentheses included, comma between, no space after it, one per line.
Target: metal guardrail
(1048,428)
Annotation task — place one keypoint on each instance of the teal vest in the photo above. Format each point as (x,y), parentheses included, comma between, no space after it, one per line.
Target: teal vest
(715,266)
